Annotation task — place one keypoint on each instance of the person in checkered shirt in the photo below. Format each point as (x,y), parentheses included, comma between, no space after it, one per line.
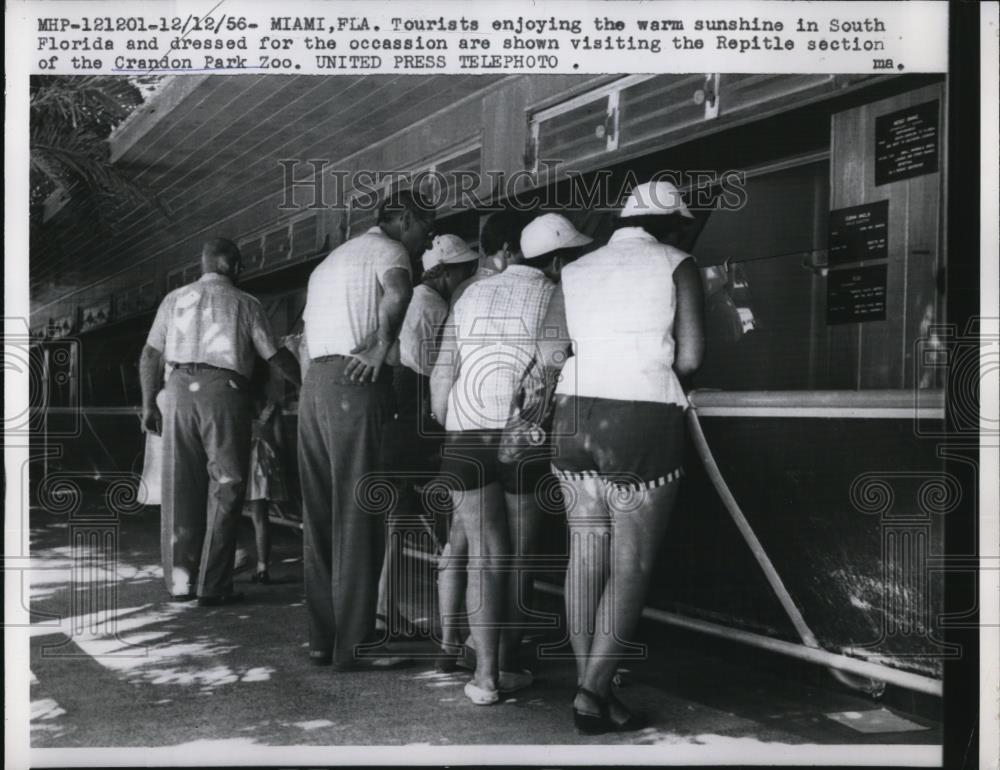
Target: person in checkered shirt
(489,343)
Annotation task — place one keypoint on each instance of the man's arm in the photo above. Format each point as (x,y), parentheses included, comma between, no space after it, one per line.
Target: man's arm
(150,379)
(369,357)
(278,357)
(284,363)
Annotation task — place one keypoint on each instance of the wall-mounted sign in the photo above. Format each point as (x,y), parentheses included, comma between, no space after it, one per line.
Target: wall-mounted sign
(856,294)
(859,233)
(906,143)
(95,315)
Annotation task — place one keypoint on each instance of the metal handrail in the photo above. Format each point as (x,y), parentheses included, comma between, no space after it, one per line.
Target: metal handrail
(927,404)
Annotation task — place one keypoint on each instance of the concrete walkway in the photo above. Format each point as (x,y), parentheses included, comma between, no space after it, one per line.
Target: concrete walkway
(114,663)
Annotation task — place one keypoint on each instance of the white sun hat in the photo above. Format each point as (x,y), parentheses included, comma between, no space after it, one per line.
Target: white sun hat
(447,250)
(550,232)
(652,198)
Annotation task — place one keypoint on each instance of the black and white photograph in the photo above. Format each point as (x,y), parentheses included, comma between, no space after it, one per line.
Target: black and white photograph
(501,383)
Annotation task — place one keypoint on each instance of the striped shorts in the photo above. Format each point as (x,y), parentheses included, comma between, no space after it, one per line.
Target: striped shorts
(628,444)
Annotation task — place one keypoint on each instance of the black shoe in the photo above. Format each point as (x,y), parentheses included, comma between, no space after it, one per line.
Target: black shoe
(467,658)
(183,597)
(446,664)
(597,724)
(218,601)
(320,657)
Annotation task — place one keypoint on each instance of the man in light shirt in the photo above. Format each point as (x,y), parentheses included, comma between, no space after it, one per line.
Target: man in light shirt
(208,333)
(355,303)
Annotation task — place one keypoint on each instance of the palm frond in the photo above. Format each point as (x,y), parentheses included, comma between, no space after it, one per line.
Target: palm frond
(71,119)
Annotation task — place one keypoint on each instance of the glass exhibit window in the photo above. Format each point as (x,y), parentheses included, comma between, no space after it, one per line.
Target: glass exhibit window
(765,293)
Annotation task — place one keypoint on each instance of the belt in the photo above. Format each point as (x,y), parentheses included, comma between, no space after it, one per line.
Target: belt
(193,367)
(384,375)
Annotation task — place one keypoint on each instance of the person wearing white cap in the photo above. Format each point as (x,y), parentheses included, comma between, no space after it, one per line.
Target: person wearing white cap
(488,345)
(410,441)
(499,246)
(633,310)
(448,263)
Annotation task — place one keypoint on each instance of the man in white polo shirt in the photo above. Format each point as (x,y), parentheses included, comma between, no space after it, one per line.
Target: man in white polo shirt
(355,303)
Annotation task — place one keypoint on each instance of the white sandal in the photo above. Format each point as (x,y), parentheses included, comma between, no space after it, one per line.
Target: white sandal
(480,695)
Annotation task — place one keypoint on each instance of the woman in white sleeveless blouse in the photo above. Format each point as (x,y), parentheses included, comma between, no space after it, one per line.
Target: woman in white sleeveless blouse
(633,311)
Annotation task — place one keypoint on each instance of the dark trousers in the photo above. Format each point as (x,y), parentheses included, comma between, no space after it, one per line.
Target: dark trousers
(206,450)
(411,455)
(344,501)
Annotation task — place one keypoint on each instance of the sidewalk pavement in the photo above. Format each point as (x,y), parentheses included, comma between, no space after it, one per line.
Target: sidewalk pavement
(115,663)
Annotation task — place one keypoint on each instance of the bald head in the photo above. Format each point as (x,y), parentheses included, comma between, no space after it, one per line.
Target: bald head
(221,255)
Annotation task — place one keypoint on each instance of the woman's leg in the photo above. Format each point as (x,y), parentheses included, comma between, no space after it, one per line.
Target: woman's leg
(483,518)
(262,533)
(451,586)
(639,522)
(589,554)
(523,523)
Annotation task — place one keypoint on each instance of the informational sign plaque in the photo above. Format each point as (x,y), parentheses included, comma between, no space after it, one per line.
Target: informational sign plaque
(856,294)
(859,233)
(906,143)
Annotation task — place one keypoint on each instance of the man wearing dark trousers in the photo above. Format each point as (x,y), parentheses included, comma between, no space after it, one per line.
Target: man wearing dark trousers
(356,301)
(207,334)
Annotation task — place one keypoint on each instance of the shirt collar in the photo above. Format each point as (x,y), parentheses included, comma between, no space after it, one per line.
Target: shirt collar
(524,271)
(215,277)
(631,233)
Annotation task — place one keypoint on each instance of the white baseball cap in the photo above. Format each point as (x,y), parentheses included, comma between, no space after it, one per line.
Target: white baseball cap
(651,198)
(550,232)
(447,250)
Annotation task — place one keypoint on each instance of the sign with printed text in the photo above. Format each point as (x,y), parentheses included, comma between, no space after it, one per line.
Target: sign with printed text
(856,294)
(859,233)
(906,143)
